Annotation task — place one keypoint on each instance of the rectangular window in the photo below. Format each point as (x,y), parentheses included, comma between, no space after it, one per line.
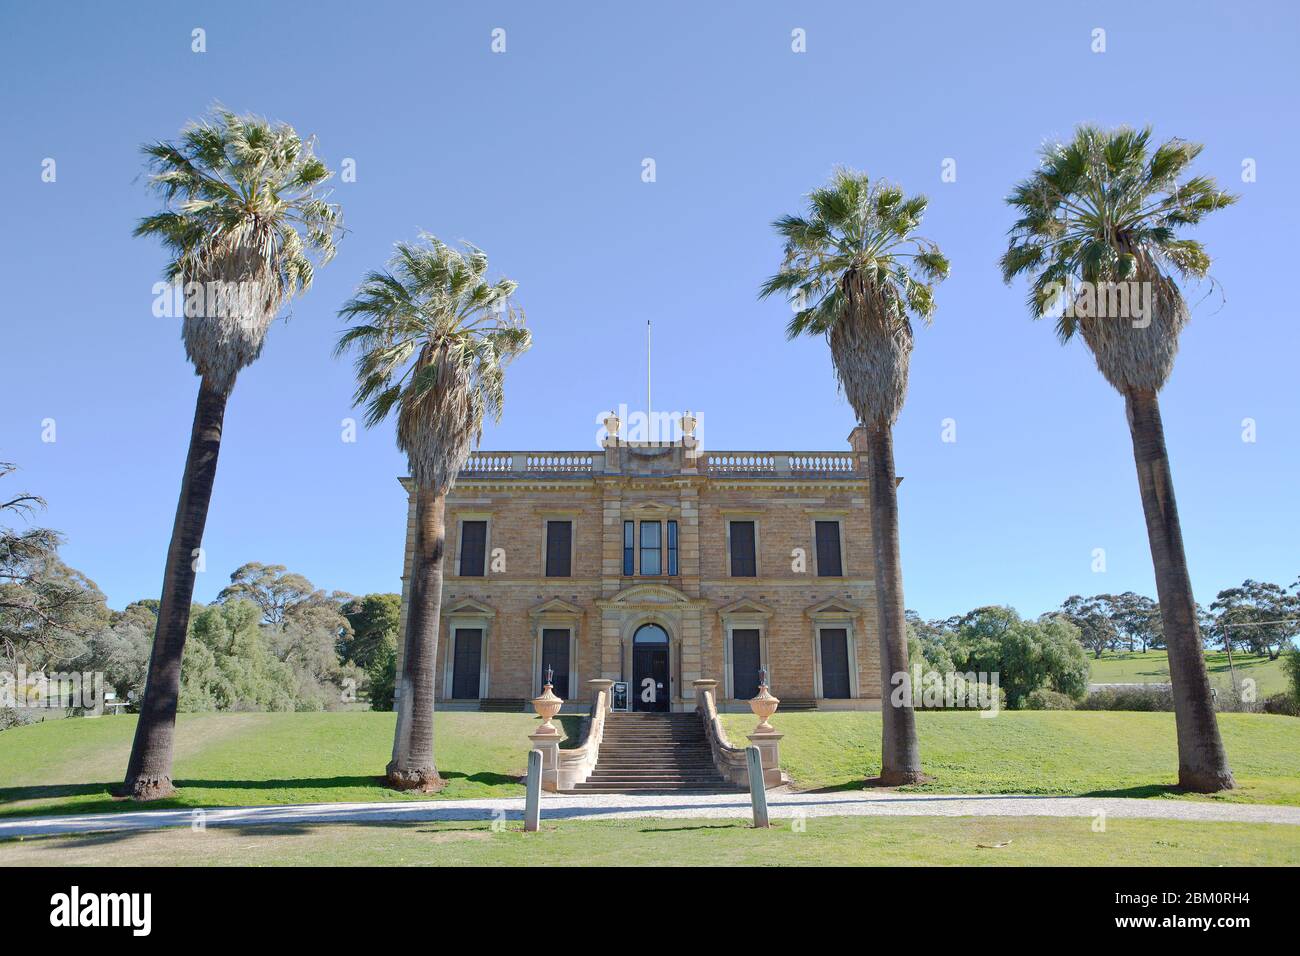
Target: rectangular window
(651,547)
(629,548)
(559,541)
(745,662)
(466,663)
(835,663)
(473,549)
(743,561)
(828,550)
(672,548)
(555,655)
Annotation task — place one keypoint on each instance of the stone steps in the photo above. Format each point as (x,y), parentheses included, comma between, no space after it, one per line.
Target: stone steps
(654,753)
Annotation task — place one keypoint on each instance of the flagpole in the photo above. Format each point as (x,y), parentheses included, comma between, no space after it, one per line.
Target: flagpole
(647,372)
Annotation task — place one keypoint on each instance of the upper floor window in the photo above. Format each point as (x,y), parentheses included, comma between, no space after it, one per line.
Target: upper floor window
(672,548)
(629,548)
(473,549)
(744,561)
(829,563)
(651,547)
(559,549)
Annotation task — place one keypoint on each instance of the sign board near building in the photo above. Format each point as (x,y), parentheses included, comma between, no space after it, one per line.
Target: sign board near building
(620,699)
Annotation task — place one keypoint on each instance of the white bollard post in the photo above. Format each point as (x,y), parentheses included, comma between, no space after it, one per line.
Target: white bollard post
(533,792)
(757,793)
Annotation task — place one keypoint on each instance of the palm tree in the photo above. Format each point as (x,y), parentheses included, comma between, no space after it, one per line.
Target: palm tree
(244,219)
(1100,218)
(857,271)
(433,338)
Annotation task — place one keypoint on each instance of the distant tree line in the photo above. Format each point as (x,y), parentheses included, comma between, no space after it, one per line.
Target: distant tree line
(1258,618)
(270,641)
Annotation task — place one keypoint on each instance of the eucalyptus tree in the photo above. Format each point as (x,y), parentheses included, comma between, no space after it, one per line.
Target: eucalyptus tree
(1100,232)
(432,336)
(1258,616)
(245,223)
(857,273)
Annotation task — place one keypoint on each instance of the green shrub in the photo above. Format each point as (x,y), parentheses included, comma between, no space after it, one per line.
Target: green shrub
(1291,667)
(1130,698)
(1282,704)
(1043,699)
(12,717)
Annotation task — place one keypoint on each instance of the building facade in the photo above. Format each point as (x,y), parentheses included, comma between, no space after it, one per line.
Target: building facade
(657,564)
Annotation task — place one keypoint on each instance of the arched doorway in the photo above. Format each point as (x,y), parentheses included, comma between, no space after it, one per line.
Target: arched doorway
(650,684)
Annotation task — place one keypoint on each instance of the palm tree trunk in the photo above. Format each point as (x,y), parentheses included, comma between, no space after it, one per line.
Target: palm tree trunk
(149,771)
(1202,761)
(412,766)
(900,754)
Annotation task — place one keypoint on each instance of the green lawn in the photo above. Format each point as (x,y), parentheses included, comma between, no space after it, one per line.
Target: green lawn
(1043,752)
(67,766)
(823,841)
(1153,667)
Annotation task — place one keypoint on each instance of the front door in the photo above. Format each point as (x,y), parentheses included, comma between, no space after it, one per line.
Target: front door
(650,688)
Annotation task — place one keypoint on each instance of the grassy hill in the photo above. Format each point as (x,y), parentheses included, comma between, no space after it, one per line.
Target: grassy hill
(1153,667)
(1100,753)
(247,759)
(67,766)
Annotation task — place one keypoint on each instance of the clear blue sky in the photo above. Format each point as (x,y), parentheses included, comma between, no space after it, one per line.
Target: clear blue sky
(535,154)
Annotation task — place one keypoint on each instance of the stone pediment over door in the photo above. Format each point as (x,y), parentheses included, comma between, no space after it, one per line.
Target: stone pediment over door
(650,597)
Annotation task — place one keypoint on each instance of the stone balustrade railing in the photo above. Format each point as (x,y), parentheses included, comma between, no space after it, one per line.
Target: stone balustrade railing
(729,760)
(758,464)
(562,768)
(823,463)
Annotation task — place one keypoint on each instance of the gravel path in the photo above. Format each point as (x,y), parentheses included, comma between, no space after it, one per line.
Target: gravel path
(781,804)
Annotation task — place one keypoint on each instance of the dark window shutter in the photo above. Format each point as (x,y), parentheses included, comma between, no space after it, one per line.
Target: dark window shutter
(467,663)
(559,538)
(828,550)
(473,548)
(672,548)
(744,664)
(629,548)
(835,662)
(743,563)
(555,655)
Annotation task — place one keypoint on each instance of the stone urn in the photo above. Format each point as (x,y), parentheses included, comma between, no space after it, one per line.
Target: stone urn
(612,425)
(547,705)
(764,705)
(688,423)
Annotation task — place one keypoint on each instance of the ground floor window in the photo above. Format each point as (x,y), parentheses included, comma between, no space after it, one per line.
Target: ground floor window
(555,655)
(467,663)
(746,659)
(835,662)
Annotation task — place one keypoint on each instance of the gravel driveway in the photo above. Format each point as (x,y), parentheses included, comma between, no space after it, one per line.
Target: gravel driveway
(781,804)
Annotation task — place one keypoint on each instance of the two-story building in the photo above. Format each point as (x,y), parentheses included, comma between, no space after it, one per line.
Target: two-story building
(658,564)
